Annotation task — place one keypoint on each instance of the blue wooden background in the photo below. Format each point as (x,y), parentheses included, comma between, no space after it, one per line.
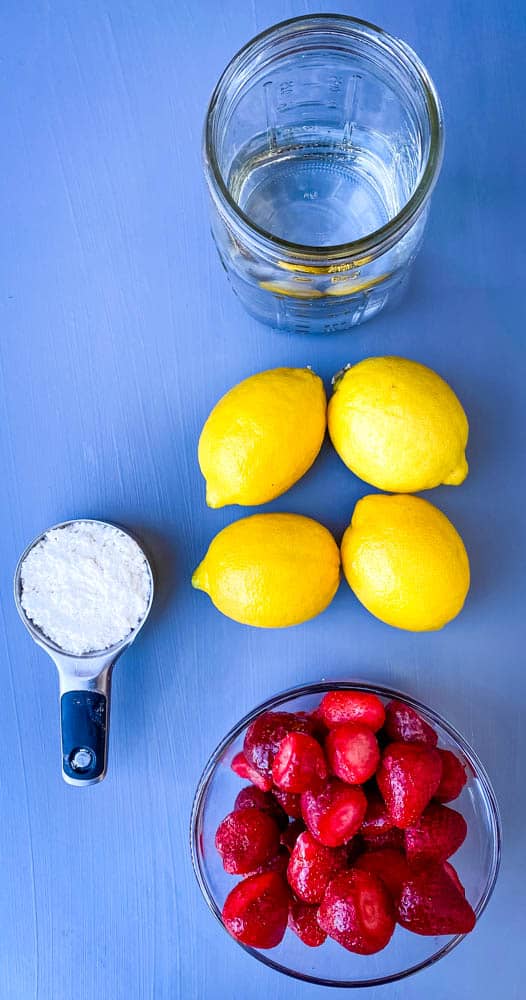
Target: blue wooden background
(118,333)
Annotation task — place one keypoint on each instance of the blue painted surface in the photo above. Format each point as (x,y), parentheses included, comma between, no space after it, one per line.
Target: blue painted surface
(118,333)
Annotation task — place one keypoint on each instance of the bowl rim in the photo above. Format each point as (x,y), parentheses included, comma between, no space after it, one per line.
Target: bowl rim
(321,687)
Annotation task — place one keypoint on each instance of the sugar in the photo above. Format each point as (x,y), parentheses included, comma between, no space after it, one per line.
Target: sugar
(86,586)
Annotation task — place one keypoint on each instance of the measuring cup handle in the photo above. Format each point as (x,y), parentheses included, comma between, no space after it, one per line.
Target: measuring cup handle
(84,717)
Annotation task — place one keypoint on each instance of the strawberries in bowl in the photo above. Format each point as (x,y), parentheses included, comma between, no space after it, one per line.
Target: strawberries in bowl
(344,820)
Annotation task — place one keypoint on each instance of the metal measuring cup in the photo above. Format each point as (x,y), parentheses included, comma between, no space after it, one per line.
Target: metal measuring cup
(85,683)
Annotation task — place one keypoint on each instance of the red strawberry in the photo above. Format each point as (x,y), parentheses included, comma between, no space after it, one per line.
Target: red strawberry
(334,814)
(278,863)
(431,904)
(319,728)
(391,838)
(303,920)
(312,866)
(264,735)
(449,870)
(246,839)
(408,777)
(357,911)
(289,802)
(436,835)
(389,865)
(453,778)
(291,834)
(299,764)
(337,707)
(377,819)
(245,770)
(257,909)
(404,725)
(253,798)
(352,752)
(353,848)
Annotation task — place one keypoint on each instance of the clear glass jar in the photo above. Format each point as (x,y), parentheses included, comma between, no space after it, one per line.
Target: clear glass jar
(323,142)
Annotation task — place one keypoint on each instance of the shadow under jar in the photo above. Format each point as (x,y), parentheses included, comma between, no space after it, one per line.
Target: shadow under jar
(323,142)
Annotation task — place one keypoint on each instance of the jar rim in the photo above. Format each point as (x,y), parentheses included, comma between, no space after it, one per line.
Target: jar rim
(380,239)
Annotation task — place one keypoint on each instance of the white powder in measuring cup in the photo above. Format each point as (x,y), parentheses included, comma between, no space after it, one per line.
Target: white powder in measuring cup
(85,585)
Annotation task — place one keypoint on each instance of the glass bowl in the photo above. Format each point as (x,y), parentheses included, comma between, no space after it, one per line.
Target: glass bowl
(477,861)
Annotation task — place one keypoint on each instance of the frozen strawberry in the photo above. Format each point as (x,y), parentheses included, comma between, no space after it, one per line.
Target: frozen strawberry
(303,920)
(245,770)
(436,834)
(431,903)
(391,838)
(319,727)
(264,735)
(246,839)
(312,866)
(334,814)
(278,863)
(253,798)
(257,909)
(358,912)
(449,870)
(388,864)
(408,777)
(352,752)
(299,764)
(353,848)
(404,725)
(289,802)
(291,834)
(453,778)
(377,820)
(338,707)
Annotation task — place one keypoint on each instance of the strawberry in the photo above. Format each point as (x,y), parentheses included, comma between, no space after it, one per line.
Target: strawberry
(453,778)
(358,912)
(289,802)
(303,920)
(431,903)
(245,770)
(312,866)
(404,725)
(353,848)
(253,798)
(299,764)
(256,910)
(388,864)
(246,839)
(408,777)
(278,863)
(436,835)
(338,707)
(377,820)
(264,735)
(334,814)
(319,727)
(352,752)
(391,838)
(291,834)
(449,870)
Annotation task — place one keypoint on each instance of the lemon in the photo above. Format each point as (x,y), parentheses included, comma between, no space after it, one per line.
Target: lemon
(271,570)
(262,436)
(405,562)
(398,425)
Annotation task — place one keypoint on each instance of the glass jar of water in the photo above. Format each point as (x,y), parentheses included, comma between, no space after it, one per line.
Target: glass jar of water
(323,142)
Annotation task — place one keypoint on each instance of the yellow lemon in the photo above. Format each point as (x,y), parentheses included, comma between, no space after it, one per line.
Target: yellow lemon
(271,570)
(405,562)
(262,436)
(398,425)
